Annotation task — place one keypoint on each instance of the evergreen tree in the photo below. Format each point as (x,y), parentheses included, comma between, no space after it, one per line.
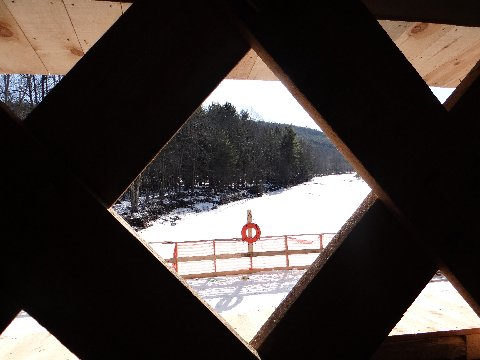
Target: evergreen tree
(290,155)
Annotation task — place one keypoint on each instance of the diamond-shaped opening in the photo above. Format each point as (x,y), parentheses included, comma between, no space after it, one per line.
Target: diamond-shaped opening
(25,338)
(250,146)
(439,307)
(442,54)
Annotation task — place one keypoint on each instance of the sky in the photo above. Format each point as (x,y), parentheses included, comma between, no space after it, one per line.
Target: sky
(271,101)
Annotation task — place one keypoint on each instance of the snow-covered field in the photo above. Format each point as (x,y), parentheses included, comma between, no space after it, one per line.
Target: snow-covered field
(317,206)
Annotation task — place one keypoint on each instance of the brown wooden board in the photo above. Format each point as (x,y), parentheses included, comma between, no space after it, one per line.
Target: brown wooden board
(394,131)
(445,345)
(86,277)
(109,133)
(372,137)
(457,12)
(435,348)
(11,221)
(461,251)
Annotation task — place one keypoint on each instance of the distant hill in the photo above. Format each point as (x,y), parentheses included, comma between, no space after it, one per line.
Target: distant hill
(325,156)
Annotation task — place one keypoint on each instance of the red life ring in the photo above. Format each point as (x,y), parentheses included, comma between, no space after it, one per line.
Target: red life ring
(248,239)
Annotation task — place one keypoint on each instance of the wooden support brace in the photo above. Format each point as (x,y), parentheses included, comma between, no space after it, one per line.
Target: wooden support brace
(373,138)
(85,276)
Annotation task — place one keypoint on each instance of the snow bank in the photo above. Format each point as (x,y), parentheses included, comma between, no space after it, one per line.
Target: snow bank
(320,205)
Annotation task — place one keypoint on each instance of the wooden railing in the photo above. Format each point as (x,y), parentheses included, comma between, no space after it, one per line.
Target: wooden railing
(220,257)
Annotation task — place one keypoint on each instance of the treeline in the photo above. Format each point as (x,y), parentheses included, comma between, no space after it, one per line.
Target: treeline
(220,148)
(22,92)
(325,156)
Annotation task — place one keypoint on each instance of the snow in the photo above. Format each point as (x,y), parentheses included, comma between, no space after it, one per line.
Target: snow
(247,301)
(317,206)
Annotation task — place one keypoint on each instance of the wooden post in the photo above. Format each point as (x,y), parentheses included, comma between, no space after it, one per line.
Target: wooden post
(175,257)
(286,252)
(214,257)
(249,234)
(321,241)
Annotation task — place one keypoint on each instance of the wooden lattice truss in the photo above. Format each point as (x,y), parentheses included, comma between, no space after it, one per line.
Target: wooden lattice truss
(74,266)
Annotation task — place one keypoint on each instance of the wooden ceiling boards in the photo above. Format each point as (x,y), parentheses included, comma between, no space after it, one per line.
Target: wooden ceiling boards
(51,36)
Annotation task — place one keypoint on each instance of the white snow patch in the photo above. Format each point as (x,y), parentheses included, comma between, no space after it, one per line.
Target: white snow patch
(321,205)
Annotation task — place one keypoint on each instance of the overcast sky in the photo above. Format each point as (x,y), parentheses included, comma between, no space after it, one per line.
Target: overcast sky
(271,101)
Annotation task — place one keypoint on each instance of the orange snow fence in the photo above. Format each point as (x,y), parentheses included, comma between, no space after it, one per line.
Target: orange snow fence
(220,257)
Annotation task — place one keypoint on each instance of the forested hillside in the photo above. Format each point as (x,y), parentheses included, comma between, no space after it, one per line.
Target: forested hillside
(326,158)
(219,155)
(224,155)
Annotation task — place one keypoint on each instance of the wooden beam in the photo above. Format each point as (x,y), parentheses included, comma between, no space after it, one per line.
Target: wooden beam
(10,221)
(353,294)
(373,138)
(448,345)
(86,277)
(134,89)
(463,12)
(461,251)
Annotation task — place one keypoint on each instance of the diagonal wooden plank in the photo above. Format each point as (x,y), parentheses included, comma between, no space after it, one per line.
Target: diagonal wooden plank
(84,276)
(461,252)
(373,137)
(133,90)
(10,222)
(354,293)
(463,12)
